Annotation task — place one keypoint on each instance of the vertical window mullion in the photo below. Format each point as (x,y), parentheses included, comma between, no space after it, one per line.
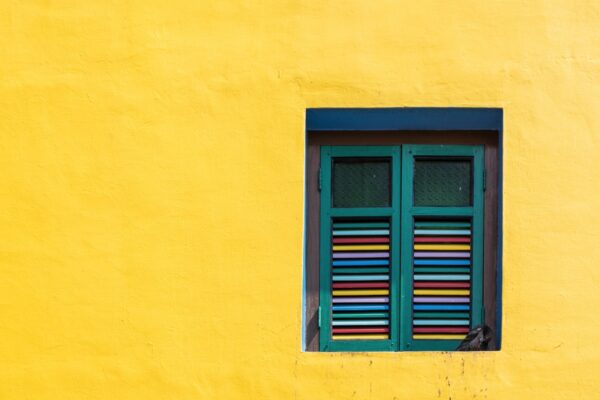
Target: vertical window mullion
(325,251)
(395,266)
(478,235)
(405,251)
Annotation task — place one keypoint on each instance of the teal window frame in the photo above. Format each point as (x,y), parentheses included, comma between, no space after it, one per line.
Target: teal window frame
(401,214)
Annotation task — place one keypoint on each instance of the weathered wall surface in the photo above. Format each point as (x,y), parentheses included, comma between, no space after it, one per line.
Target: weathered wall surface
(151,181)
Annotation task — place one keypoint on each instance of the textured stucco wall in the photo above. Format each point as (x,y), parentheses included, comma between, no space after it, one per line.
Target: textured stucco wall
(151,178)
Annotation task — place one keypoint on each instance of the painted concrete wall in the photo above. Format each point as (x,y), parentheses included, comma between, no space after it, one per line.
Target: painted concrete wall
(151,178)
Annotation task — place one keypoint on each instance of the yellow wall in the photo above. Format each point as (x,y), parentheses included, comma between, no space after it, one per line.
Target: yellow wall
(151,178)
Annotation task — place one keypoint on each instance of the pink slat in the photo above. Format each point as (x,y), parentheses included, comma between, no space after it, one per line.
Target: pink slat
(360,300)
(360,330)
(361,255)
(361,240)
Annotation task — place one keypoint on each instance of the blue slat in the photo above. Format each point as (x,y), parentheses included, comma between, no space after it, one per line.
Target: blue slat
(366,307)
(366,322)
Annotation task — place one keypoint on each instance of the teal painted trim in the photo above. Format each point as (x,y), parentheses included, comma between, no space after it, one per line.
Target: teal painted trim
(325,251)
(421,314)
(361,345)
(443,150)
(477,239)
(362,151)
(406,249)
(434,345)
(360,212)
(440,225)
(440,211)
(395,286)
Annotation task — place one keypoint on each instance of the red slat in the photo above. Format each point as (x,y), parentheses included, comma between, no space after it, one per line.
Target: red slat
(361,285)
(360,330)
(441,330)
(361,240)
(442,239)
(424,285)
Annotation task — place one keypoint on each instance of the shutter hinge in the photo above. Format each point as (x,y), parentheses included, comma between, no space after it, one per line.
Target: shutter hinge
(320,178)
(484,179)
(319,316)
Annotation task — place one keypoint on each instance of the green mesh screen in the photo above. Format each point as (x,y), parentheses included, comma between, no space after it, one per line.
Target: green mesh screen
(442,182)
(360,182)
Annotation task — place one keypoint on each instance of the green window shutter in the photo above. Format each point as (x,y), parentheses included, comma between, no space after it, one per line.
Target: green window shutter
(359,250)
(441,245)
(401,251)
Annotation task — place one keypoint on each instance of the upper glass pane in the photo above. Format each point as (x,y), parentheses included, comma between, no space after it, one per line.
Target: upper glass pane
(443,182)
(361,182)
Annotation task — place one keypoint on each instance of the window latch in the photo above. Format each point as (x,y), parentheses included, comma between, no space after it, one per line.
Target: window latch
(320,179)
(484,179)
(319,317)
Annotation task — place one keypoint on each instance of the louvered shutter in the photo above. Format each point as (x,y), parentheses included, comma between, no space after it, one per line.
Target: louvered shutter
(359,260)
(360,287)
(401,246)
(442,245)
(441,279)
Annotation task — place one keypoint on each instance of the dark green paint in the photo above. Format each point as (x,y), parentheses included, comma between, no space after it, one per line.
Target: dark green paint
(401,236)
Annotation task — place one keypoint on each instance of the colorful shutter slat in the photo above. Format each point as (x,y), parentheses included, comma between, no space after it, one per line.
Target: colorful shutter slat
(442,280)
(360,287)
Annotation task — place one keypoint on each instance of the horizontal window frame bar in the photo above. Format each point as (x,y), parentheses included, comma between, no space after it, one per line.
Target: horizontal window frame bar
(442,211)
(359,345)
(366,212)
(404,118)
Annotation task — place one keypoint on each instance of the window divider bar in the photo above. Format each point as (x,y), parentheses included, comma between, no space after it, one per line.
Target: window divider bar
(361,212)
(441,211)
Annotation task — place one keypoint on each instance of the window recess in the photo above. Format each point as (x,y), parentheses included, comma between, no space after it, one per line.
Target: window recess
(400,253)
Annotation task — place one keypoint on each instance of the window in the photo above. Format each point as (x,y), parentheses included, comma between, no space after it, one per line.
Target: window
(402,238)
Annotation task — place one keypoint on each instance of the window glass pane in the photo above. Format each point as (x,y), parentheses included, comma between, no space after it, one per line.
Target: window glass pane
(361,182)
(442,182)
